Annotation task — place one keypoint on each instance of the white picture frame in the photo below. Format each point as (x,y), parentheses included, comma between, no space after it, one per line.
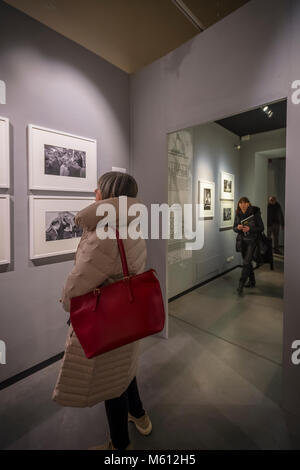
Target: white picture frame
(4,153)
(5,255)
(227,186)
(226,214)
(206,199)
(55,173)
(43,211)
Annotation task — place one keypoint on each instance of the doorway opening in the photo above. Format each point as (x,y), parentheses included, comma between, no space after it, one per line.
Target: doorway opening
(215,164)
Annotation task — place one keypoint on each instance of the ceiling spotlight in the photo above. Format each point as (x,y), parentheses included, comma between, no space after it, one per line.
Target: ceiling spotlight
(268,111)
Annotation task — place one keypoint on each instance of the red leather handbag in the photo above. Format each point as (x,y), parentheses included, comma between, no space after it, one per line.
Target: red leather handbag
(118,313)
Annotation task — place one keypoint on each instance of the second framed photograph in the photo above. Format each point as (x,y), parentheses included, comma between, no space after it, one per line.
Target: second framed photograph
(227,186)
(206,199)
(4,153)
(226,214)
(5,229)
(59,161)
(53,230)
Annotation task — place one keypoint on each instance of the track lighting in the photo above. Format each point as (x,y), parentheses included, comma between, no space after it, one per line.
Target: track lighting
(268,111)
(189,14)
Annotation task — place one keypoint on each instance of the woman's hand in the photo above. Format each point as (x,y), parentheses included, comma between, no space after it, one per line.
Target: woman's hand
(246,228)
(240,227)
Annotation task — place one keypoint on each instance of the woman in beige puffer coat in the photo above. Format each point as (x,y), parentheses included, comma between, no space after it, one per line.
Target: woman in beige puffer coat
(110,377)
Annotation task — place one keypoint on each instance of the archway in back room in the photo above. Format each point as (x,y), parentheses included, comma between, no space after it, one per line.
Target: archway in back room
(270,181)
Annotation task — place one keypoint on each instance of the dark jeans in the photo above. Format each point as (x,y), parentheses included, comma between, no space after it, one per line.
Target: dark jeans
(247,254)
(117,414)
(274,230)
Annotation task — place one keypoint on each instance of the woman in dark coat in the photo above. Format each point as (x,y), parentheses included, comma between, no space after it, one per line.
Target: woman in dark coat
(248,225)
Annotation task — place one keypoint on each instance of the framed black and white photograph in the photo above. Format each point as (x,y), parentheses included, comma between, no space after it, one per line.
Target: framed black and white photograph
(53,230)
(226,214)
(206,198)
(60,225)
(4,229)
(227,186)
(4,153)
(61,162)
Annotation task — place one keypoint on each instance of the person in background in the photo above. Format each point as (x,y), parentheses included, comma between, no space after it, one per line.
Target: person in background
(64,170)
(54,230)
(74,168)
(248,225)
(275,221)
(68,224)
(53,167)
(109,377)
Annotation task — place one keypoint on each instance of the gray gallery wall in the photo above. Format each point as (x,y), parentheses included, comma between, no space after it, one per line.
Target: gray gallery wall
(248,58)
(213,152)
(54,83)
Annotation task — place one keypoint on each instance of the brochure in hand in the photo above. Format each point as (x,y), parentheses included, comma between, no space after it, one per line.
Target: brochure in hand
(247,222)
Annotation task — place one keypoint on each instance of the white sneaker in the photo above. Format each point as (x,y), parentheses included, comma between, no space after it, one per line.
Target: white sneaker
(143,424)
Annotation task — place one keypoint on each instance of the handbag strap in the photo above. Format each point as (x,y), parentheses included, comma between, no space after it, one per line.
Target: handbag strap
(122,255)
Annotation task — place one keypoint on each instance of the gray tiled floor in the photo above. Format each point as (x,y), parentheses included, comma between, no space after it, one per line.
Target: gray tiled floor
(254,322)
(201,391)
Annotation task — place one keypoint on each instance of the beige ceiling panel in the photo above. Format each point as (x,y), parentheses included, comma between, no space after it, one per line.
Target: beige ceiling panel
(128,33)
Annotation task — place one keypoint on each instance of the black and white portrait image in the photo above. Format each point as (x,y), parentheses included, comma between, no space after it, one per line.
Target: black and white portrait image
(227,213)
(61,226)
(62,161)
(207,199)
(227,186)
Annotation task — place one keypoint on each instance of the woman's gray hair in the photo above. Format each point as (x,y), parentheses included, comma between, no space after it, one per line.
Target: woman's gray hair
(115,184)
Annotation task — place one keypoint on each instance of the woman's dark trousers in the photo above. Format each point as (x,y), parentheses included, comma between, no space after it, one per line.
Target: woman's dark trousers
(247,254)
(117,414)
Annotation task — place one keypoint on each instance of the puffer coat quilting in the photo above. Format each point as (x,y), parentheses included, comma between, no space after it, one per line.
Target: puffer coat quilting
(85,382)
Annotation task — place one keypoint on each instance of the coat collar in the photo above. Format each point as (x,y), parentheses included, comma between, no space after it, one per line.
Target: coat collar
(87,218)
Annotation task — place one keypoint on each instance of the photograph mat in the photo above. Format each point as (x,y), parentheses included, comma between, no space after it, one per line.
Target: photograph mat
(229,205)
(37,139)
(39,205)
(4,153)
(4,229)
(227,195)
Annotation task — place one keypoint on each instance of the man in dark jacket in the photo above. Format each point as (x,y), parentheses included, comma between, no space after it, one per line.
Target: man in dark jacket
(275,220)
(248,225)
